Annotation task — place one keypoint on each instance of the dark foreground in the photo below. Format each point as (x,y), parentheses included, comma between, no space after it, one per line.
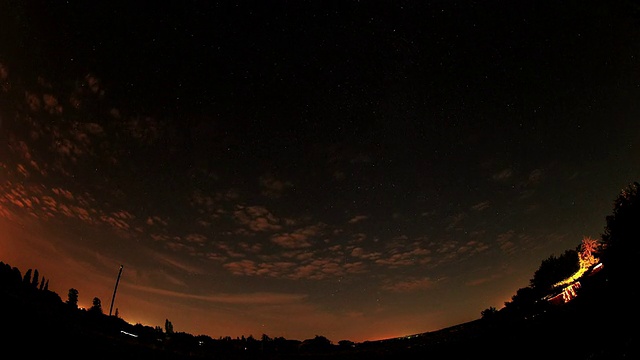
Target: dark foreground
(599,324)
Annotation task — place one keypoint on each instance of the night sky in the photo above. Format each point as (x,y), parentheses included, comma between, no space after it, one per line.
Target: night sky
(357,170)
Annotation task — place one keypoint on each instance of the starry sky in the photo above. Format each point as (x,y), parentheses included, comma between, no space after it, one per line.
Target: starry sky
(357,170)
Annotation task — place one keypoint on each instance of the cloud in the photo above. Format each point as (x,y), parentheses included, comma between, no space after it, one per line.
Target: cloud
(411,285)
(298,238)
(156,220)
(273,187)
(257,298)
(229,250)
(399,256)
(242,267)
(359,252)
(296,267)
(505,241)
(93,128)
(197,239)
(472,247)
(212,206)
(319,269)
(396,260)
(4,72)
(170,259)
(93,83)
(455,220)
(33,101)
(23,152)
(357,218)
(503,175)
(358,238)
(257,218)
(145,129)
(119,220)
(291,240)
(51,104)
(64,193)
(481,206)
(299,254)
(5,213)
(269,269)
(536,176)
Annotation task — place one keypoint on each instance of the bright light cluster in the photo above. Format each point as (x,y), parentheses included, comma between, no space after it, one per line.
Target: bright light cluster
(588,247)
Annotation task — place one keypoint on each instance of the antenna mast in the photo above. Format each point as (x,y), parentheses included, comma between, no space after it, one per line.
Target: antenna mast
(113,299)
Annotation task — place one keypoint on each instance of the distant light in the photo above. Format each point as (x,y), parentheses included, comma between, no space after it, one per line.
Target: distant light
(128,333)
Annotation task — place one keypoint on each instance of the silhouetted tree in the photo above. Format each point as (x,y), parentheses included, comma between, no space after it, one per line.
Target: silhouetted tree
(282,345)
(621,238)
(35,279)
(346,344)
(168,327)
(555,269)
(27,277)
(42,282)
(96,307)
(72,298)
(317,344)
(489,313)
(17,276)
(266,343)
(523,303)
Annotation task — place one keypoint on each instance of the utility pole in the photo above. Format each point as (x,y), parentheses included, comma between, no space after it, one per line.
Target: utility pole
(114,290)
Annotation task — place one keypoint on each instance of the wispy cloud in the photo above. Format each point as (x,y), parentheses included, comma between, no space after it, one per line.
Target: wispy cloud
(411,285)
(272,187)
(357,218)
(481,206)
(258,298)
(503,175)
